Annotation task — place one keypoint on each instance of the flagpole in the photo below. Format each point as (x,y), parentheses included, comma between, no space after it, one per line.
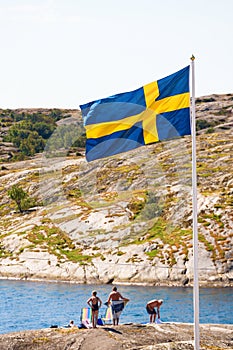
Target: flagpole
(195,231)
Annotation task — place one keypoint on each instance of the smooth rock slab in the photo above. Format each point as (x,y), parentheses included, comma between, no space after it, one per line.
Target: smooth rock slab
(130,336)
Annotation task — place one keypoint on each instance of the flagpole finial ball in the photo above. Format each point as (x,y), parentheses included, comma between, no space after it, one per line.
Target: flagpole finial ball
(192,58)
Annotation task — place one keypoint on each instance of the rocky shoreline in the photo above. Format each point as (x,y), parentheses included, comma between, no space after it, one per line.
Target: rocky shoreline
(202,284)
(128,336)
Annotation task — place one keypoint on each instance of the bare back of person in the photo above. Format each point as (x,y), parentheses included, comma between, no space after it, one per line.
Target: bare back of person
(153,303)
(150,308)
(115,296)
(94,300)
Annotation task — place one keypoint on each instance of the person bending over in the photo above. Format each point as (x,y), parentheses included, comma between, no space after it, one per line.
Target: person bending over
(150,308)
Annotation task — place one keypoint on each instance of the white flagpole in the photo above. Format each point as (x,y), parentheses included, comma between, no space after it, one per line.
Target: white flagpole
(195,231)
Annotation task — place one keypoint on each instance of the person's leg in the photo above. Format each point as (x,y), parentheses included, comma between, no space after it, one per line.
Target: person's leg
(94,319)
(150,313)
(154,317)
(117,321)
(114,319)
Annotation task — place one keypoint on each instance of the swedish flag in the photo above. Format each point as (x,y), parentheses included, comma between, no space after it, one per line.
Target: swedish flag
(157,111)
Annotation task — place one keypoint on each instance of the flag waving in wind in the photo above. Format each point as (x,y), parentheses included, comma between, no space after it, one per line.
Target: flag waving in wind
(157,111)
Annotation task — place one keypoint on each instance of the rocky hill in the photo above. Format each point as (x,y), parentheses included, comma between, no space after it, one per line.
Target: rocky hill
(130,336)
(125,219)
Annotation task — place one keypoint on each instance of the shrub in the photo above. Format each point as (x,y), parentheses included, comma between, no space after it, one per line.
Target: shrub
(18,195)
(21,198)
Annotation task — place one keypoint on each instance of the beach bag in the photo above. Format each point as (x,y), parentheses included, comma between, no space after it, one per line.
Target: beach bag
(100,322)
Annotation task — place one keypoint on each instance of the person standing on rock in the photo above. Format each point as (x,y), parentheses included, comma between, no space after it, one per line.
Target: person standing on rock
(150,308)
(95,304)
(117,302)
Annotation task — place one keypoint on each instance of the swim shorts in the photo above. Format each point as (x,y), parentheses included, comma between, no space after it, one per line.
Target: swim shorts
(150,312)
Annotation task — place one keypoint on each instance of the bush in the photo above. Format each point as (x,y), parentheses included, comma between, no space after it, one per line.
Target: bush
(153,207)
(21,198)
(18,195)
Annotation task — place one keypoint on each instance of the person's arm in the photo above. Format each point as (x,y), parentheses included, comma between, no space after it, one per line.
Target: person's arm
(158,311)
(123,298)
(109,298)
(100,301)
(89,302)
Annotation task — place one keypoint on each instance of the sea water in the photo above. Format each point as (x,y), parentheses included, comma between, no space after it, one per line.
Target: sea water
(33,305)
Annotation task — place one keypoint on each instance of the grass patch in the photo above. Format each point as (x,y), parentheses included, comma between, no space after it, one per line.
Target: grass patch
(119,253)
(76,256)
(207,244)
(153,253)
(56,242)
(75,193)
(167,235)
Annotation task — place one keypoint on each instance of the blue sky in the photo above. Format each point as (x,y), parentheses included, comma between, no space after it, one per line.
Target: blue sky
(62,53)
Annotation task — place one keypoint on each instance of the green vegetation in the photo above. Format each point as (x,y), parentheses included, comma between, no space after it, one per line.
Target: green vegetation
(147,206)
(205,124)
(169,234)
(205,99)
(166,235)
(210,130)
(152,254)
(119,253)
(30,132)
(57,242)
(65,137)
(207,244)
(10,116)
(137,203)
(21,198)
(224,111)
(207,218)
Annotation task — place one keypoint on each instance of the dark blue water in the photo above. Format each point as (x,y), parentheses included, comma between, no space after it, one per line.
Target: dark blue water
(33,305)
